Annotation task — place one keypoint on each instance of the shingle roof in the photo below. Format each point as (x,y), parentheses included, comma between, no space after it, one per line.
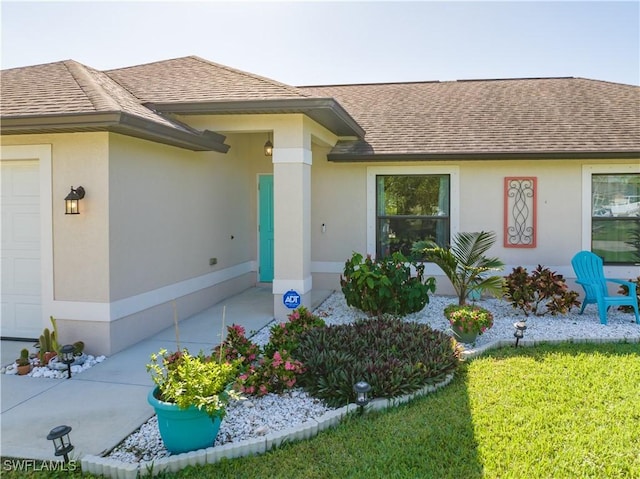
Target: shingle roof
(485,117)
(192,85)
(193,79)
(475,118)
(61,92)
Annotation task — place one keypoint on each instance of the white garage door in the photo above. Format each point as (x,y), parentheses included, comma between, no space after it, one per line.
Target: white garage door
(21,281)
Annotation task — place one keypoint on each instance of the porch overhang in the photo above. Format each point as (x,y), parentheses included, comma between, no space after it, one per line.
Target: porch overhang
(117,122)
(325,111)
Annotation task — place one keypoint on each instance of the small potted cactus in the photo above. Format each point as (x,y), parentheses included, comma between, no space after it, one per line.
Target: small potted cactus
(23,362)
(48,344)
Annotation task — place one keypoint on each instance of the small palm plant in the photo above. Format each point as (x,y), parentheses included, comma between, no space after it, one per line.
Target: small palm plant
(465,263)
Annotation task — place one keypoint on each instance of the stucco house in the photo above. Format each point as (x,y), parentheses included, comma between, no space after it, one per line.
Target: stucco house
(182,203)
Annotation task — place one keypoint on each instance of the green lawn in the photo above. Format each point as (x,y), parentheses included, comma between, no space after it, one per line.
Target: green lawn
(563,411)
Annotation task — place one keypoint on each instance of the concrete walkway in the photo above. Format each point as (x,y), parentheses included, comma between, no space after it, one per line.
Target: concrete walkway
(107,402)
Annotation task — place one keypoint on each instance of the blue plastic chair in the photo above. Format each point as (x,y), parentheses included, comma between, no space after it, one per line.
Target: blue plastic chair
(590,275)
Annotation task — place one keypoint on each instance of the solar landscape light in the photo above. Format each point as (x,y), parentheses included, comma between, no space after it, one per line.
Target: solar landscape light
(362,389)
(66,356)
(521,327)
(61,441)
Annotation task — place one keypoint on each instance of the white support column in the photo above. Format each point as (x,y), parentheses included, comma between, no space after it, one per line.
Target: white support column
(292,214)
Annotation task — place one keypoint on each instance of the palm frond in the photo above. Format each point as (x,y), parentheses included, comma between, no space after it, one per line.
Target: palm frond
(465,263)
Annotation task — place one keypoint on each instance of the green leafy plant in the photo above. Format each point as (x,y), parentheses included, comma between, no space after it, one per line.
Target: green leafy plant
(624,290)
(395,357)
(543,291)
(200,381)
(272,374)
(386,285)
(469,319)
(465,263)
(285,336)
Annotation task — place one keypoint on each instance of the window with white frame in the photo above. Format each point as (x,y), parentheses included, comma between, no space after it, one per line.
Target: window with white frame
(615,217)
(407,203)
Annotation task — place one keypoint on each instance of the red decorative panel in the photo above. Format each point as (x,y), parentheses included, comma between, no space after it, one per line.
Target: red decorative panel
(520,218)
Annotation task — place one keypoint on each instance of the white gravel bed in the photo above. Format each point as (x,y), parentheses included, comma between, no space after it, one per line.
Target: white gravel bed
(563,326)
(255,417)
(46,372)
(245,419)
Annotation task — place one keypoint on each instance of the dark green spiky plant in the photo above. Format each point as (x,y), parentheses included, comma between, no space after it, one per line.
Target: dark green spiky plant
(465,263)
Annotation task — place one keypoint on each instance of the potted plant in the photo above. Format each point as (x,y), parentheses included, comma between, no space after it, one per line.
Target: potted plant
(190,396)
(47,344)
(24,365)
(468,322)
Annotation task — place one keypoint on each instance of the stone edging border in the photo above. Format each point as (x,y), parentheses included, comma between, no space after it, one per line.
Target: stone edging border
(115,469)
(475,352)
(122,470)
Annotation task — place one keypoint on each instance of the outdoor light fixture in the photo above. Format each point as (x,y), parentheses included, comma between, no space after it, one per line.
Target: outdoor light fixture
(362,389)
(72,199)
(520,326)
(61,442)
(268,147)
(66,356)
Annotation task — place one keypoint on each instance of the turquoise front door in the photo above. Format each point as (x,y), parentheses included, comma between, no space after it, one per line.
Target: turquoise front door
(265,228)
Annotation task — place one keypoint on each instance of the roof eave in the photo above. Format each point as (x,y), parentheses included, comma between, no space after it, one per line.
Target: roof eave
(326,111)
(117,122)
(498,155)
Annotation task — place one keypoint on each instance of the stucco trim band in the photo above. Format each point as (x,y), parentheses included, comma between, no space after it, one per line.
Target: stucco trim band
(106,312)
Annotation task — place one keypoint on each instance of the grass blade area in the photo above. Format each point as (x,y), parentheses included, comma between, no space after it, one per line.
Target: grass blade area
(569,411)
(552,411)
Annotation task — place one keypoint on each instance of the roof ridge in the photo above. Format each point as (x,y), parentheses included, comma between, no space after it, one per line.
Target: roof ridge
(422,82)
(271,81)
(94,92)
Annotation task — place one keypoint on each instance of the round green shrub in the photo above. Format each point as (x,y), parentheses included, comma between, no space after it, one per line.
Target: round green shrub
(385,285)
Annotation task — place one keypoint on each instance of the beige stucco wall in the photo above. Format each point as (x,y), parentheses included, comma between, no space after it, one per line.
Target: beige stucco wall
(172,210)
(154,215)
(80,242)
(559,207)
(339,200)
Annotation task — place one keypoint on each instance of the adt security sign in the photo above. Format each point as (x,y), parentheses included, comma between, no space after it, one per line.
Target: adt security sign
(291,299)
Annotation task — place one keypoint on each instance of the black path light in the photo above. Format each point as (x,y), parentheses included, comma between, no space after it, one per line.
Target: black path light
(521,327)
(66,356)
(362,389)
(61,441)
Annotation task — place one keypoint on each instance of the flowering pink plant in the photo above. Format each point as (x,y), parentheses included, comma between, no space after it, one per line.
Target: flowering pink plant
(469,319)
(237,346)
(271,375)
(285,336)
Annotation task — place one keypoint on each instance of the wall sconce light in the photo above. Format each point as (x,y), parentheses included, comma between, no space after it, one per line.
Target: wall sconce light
(362,389)
(521,327)
(66,355)
(61,442)
(268,147)
(72,199)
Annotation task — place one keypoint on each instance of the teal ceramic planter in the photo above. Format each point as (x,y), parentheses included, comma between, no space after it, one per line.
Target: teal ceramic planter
(184,430)
(462,337)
